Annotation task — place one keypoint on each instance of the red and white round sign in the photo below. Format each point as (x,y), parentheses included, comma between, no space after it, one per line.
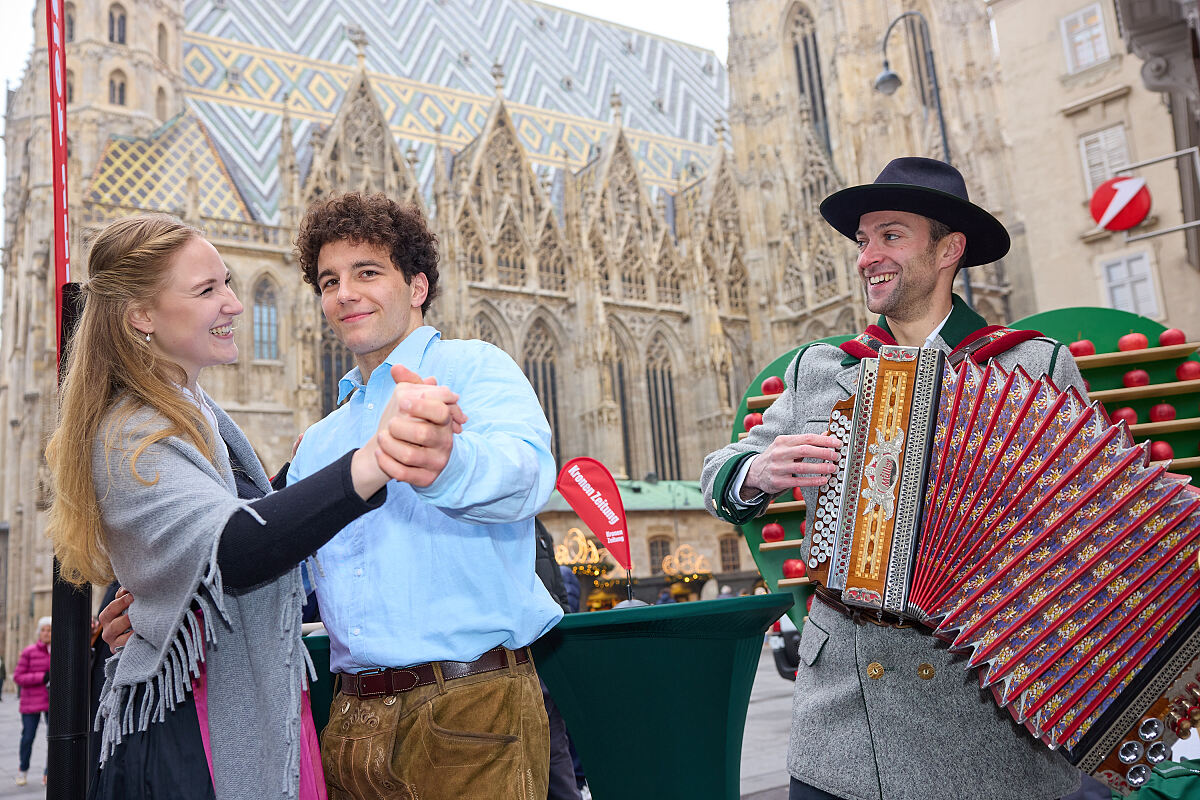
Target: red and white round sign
(1120,203)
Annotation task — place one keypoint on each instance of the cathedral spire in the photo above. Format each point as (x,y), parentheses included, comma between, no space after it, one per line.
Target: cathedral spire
(614,101)
(498,77)
(288,171)
(358,37)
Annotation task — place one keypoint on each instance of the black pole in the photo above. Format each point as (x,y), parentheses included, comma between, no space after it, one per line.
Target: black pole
(70,675)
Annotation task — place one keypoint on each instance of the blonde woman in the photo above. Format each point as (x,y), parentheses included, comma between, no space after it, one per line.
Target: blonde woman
(156,485)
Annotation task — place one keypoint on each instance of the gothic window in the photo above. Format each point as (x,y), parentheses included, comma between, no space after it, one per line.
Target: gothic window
(633,275)
(483,328)
(620,382)
(737,287)
(664,435)
(69,22)
(808,69)
(731,557)
(660,548)
(667,280)
(160,104)
(824,276)
(336,361)
(266,322)
(510,257)
(70,86)
(472,251)
(540,360)
(162,42)
(116,88)
(552,271)
(116,24)
(793,278)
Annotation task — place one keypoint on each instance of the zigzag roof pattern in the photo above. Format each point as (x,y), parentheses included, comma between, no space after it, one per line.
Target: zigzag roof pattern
(430,63)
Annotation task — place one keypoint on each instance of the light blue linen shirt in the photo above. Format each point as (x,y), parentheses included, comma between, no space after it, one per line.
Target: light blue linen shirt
(443,573)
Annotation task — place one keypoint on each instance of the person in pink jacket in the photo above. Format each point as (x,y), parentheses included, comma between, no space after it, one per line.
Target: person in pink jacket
(33,676)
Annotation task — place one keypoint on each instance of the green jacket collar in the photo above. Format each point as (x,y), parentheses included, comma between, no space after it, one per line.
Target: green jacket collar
(962,323)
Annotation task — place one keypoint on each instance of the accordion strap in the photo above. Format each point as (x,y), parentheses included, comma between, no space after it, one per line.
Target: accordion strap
(989,342)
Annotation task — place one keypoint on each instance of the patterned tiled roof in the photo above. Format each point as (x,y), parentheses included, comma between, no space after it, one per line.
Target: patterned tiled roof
(153,172)
(430,63)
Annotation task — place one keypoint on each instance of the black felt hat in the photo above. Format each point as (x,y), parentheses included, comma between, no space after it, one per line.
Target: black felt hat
(927,187)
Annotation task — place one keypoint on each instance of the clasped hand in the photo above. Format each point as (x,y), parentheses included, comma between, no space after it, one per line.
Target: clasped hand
(416,433)
(781,466)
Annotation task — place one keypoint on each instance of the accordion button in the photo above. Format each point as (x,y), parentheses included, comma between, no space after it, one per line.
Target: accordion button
(926,671)
(875,670)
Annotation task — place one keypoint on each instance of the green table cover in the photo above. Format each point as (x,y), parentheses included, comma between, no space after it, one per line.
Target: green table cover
(655,697)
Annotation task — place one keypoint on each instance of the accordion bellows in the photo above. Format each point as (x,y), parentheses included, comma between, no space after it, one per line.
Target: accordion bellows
(1022,527)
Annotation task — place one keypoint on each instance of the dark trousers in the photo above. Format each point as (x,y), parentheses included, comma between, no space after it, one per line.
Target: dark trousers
(29,725)
(562,770)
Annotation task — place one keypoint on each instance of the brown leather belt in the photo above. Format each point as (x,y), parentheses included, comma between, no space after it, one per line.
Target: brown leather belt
(381,682)
(860,616)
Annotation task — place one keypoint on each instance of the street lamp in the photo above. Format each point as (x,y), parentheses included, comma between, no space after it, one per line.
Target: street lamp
(888,82)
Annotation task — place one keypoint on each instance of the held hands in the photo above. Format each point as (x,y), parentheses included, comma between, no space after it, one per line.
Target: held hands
(780,468)
(416,433)
(114,620)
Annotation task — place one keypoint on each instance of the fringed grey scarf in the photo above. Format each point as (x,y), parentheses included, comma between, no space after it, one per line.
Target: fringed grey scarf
(162,539)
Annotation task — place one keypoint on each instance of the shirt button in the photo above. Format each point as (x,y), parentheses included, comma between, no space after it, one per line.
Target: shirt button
(925,671)
(370,406)
(355,631)
(874,670)
(358,572)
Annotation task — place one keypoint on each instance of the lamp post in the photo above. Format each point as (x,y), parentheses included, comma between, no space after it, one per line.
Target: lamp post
(888,82)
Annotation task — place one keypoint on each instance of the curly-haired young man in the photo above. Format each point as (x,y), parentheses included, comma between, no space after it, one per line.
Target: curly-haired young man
(431,600)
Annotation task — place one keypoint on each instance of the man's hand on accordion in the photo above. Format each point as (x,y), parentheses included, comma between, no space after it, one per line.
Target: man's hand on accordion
(782,467)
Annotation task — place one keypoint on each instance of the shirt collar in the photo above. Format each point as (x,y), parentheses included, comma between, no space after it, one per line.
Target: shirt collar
(409,353)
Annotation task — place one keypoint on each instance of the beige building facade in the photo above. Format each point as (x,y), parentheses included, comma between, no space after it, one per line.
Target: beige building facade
(1078,111)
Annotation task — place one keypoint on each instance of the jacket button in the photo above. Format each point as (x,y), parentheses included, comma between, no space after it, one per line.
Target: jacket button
(875,670)
(925,672)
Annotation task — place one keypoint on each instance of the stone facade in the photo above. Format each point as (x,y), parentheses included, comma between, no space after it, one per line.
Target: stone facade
(640,275)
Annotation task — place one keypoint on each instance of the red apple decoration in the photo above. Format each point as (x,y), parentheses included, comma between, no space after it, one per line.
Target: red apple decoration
(1124,413)
(1083,347)
(797,494)
(1133,341)
(1188,371)
(772,532)
(1162,412)
(772,385)
(1161,451)
(1171,336)
(793,568)
(750,420)
(802,526)
(808,602)
(1137,377)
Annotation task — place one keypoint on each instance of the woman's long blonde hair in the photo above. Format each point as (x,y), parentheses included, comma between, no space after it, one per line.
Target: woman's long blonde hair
(110,365)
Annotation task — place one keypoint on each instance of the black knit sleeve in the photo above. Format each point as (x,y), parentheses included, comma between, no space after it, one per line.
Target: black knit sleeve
(299,519)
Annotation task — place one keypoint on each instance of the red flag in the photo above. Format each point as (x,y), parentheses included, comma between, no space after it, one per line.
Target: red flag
(591,491)
(55,44)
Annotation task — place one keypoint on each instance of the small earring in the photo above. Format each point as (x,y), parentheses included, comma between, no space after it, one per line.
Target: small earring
(147,337)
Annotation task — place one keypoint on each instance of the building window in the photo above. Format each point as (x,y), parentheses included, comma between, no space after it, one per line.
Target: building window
(1084,38)
(116,88)
(266,322)
(70,86)
(1103,153)
(485,330)
(731,556)
(510,257)
(660,548)
(1130,284)
(69,21)
(620,384)
(552,271)
(808,70)
(668,281)
(664,435)
(116,24)
(336,361)
(160,104)
(162,42)
(541,368)
(633,275)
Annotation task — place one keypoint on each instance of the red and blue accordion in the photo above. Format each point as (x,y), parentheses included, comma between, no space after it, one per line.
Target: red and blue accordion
(1016,522)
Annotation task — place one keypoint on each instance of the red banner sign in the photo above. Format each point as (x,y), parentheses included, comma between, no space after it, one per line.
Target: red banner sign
(591,491)
(55,43)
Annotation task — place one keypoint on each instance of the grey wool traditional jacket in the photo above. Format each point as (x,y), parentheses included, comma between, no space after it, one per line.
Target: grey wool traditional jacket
(897,736)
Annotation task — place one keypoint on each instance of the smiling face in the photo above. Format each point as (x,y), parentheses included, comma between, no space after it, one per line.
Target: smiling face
(191,320)
(905,274)
(367,301)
